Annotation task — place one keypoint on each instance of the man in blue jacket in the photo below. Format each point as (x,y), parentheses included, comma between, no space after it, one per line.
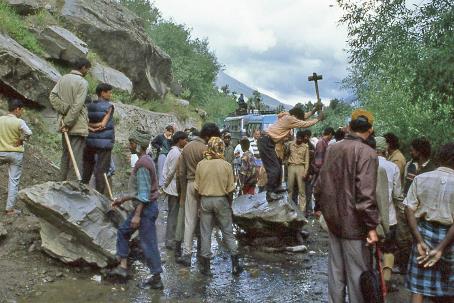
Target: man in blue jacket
(101,137)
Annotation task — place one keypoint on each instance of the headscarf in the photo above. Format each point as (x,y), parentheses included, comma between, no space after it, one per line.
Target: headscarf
(215,149)
(140,137)
(360,112)
(381,144)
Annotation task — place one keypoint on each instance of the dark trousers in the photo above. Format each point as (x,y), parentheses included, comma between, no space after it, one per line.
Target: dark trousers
(147,236)
(172,218)
(97,160)
(270,162)
(66,165)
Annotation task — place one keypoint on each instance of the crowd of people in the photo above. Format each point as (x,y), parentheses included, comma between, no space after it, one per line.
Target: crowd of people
(360,184)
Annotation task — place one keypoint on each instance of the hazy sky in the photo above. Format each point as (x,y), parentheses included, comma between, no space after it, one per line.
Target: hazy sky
(271,45)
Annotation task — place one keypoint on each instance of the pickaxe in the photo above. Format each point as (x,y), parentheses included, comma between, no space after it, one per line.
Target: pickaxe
(315,78)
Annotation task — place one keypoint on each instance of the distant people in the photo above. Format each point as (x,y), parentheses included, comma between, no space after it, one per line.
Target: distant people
(13,133)
(214,185)
(310,172)
(248,170)
(191,155)
(253,141)
(144,193)
(394,154)
(163,143)
(101,138)
(68,99)
(298,166)
(346,193)
(229,151)
(276,134)
(179,141)
(339,135)
(429,207)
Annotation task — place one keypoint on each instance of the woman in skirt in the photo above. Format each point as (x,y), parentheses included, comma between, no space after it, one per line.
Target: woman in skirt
(430,212)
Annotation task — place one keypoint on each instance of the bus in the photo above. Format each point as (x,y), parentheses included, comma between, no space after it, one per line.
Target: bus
(245,125)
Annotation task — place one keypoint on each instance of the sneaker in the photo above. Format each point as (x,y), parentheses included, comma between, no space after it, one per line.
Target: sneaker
(120,272)
(154,282)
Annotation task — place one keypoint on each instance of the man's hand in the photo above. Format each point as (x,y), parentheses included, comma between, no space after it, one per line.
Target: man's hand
(117,202)
(318,106)
(431,258)
(18,143)
(321,116)
(423,249)
(64,129)
(135,222)
(372,237)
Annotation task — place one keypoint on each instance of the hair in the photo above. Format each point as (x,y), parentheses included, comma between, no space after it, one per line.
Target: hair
(14,104)
(244,143)
(297,112)
(339,135)
(103,87)
(446,155)
(179,135)
(300,134)
(371,142)
(210,130)
(422,145)
(360,125)
(226,133)
(392,140)
(328,131)
(82,62)
(305,132)
(169,128)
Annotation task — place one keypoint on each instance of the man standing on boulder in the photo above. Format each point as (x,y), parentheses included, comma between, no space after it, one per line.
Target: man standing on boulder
(144,193)
(276,134)
(13,132)
(68,99)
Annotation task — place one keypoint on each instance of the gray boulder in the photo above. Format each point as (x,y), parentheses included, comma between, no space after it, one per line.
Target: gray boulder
(258,217)
(24,74)
(118,36)
(61,44)
(109,75)
(26,7)
(76,222)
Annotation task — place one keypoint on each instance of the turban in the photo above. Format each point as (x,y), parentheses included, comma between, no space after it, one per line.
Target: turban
(215,149)
(381,143)
(140,137)
(363,113)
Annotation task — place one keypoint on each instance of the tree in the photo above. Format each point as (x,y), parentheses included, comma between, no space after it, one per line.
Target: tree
(225,89)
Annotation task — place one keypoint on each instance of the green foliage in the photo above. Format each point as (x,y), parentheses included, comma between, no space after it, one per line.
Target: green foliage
(337,115)
(13,25)
(219,106)
(402,65)
(145,10)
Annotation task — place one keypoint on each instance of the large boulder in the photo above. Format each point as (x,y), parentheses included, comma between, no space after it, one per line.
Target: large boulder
(109,75)
(118,37)
(24,74)
(26,7)
(258,217)
(61,44)
(77,224)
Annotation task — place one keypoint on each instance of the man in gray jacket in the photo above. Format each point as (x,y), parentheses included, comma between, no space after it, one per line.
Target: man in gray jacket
(68,99)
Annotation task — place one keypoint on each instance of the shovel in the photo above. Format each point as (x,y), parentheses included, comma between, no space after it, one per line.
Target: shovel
(109,192)
(71,155)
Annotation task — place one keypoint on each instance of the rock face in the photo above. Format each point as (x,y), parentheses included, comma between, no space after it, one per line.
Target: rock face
(109,75)
(256,216)
(26,7)
(24,73)
(118,36)
(76,224)
(61,44)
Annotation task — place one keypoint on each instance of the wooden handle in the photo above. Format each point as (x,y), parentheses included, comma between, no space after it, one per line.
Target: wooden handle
(71,154)
(109,190)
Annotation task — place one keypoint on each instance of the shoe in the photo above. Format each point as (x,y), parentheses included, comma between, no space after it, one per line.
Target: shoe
(177,249)
(152,283)
(120,272)
(184,260)
(280,189)
(272,196)
(205,266)
(236,267)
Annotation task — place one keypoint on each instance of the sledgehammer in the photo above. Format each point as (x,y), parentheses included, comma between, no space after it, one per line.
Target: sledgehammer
(109,191)
(315,78)
(71,155)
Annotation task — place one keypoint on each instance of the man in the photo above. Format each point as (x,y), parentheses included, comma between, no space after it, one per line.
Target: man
(191,155)
(144,194)
(13,133)
(214,184)
(68,99)
(394,154)
(298,166)
(179,139)
(394,194)
(320,148)
(310,173)
(345,191)
(229,152)
(429,207)
(253,141)
(163,143)
(101,138)
(276,134)
(248,171)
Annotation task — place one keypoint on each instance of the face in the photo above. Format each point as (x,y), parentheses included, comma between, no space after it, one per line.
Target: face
(299,140)
(257,134)
(414,154)
(306,139)
(106,95)
(168,133)
(227,140)
(133,147)
(182,142)
(18,112)
(84,71)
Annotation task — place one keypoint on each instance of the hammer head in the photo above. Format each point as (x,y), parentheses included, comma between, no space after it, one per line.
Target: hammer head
(315,77)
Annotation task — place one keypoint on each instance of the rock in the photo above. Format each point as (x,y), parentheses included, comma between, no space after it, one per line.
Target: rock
(74,225)
(109,75)
(119,38)
(61,44)
(59,274)
(258,217)
(298,248)
(3,231)
(182,102)
(24,74)
(26,7)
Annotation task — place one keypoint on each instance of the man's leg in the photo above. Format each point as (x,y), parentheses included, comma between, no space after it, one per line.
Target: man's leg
(89,164)
(124,233)
(14,173)
(101,168)
(172,216)
(65,159)
(206,226)
(78,147)
(190,220)
(291,181)
(148,238)
(301,188)
(223,214)
(179,232)
(270,162)
(336,271)
(161,161)
(308,185)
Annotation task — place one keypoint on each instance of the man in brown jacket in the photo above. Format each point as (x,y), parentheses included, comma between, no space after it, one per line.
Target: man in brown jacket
(68,99)
(346,193)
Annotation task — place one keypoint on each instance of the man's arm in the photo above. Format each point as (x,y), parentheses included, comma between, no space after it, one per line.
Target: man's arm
(157,142)
(25,133)
(75,108)
(171,165)
(182,177)
(306,161)
(104,121)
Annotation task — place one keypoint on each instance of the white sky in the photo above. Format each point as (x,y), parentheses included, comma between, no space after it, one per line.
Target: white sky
(271,45)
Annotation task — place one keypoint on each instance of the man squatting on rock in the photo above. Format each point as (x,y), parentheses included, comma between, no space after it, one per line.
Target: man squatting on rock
(275,134)
(13,133)
(143,188)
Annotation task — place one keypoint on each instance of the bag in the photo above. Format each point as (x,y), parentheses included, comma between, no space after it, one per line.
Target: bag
(372,282)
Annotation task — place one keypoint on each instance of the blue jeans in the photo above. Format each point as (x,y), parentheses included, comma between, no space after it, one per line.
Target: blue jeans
(14,161)
(147,234)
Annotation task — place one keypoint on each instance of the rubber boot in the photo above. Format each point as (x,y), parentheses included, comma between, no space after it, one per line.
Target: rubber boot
(205,266)
(177,249)
(236,267)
